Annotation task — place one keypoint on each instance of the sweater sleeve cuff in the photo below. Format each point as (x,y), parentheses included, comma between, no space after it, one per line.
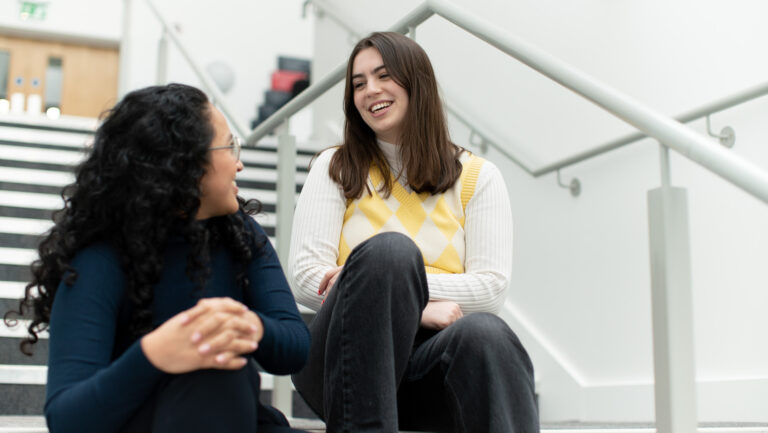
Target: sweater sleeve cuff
(140,367)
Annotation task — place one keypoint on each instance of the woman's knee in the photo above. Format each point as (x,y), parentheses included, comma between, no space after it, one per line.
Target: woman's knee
(185,403)
(489,336)
(485,334)
(483,328)
(216,382)
(390,250)
(388,265)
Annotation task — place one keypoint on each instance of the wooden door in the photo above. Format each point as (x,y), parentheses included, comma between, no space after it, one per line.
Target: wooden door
(86,76)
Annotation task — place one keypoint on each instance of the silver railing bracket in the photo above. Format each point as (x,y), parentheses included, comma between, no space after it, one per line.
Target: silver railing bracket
(574,186)
(727,135)
(478,140)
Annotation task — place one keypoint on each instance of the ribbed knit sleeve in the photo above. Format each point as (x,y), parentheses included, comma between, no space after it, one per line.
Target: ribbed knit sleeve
(317,224)
(488,259)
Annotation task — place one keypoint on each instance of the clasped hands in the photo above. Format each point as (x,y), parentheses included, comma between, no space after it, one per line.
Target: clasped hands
(215,333)
(437,315)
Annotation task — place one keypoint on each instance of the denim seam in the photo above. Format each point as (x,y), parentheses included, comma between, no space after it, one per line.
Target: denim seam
(423,372)
(345,409)
(447,360)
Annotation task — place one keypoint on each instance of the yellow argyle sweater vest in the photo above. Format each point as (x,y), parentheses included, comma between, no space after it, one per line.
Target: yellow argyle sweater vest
(434,222)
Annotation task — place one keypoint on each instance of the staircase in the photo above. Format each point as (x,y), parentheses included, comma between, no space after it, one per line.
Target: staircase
(37,158)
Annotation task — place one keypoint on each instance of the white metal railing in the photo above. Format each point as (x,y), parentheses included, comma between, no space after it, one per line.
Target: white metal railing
(670,266)
(652,123)
(170,33)
(689,116)
(490,139)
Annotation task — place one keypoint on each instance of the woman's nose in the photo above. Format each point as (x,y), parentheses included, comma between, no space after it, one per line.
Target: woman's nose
(373,86)
(239,165)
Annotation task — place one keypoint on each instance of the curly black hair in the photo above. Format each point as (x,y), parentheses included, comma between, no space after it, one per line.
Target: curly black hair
(139,183)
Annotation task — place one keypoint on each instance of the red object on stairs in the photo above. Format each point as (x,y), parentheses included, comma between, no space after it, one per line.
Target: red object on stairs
(283,80)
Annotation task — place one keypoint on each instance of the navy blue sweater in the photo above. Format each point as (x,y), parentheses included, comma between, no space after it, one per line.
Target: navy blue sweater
(98,377)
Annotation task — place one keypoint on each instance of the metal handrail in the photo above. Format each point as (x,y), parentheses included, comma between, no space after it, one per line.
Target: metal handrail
(492,139)
(689,116)
(668,131)
(208,84)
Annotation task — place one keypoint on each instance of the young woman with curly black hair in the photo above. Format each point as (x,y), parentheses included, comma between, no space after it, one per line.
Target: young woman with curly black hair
(158,290)
(403,243)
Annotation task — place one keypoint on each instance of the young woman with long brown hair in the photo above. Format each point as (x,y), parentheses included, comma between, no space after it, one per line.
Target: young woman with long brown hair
(402,243)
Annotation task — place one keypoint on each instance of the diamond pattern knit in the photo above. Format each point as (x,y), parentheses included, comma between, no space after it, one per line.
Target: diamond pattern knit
(434,222)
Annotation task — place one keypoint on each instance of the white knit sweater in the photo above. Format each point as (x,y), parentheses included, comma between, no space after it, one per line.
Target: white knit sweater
(319,216)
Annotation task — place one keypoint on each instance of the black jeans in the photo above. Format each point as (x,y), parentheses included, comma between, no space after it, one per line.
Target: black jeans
(372,369)
(225,401)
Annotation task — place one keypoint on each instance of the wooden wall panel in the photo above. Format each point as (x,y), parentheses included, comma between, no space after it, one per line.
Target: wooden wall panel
(89,74)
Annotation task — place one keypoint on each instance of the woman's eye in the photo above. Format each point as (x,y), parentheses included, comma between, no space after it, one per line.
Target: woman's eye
(357,85)
(383,76)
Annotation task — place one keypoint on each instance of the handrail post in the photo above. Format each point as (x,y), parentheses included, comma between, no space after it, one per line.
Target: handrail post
(286,199)
(664,164)
(162,59)
(672,306)
(125,51)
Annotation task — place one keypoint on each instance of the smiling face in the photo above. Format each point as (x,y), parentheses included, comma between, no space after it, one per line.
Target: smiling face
(218,191)
(381,102)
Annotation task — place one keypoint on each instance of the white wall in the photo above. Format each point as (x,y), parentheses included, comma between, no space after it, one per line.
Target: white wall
(247,35)
(581,273)
(73,18)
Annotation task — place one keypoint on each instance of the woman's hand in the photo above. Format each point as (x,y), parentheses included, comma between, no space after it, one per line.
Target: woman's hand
(225,322)
(213,334)
(439,315)
(329,279)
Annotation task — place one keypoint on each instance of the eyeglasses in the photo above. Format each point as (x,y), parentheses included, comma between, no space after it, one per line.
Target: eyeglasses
(235,145)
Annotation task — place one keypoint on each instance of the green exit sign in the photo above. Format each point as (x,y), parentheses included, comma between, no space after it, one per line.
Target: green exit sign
(32,10)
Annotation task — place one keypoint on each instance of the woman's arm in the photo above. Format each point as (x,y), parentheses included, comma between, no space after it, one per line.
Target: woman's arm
(87,390)
(488,257)
(317,224)
(284,346)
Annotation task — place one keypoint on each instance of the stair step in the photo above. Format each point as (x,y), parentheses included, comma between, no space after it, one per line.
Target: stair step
(36,137)
(24,226)
(18,240)
(14,272)
(19,330)
(28,213)
(12,289)
(64,158)
(17,256)
(30,200)
(27,399)
(64,123)
(10,354)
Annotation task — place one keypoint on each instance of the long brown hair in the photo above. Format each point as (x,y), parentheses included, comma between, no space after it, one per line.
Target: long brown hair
(430,159)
